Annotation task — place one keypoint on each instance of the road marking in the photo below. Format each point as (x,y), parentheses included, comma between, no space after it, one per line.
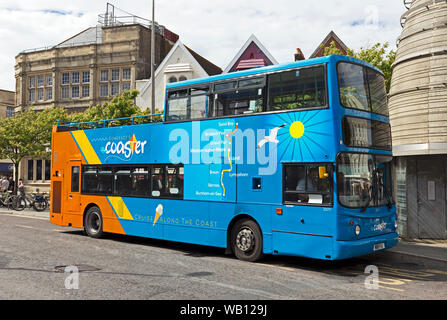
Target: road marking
(25,216)
(395,289)
(437,272)
(405,273)
(27,227)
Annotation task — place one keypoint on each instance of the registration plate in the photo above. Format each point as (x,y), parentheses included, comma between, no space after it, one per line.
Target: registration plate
(379,246)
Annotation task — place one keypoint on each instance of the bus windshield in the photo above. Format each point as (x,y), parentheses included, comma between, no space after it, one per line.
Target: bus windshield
(362,88)
(364,180)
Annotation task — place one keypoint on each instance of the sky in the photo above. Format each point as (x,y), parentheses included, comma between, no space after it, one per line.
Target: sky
(216,29)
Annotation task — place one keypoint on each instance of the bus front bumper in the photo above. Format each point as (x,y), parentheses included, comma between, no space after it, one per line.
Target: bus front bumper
(360,247)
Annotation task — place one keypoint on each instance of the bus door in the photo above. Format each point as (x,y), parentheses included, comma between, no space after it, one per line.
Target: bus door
(73,200)
(307,199)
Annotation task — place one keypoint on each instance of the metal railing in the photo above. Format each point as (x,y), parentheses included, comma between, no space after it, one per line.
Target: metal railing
(407,3)
(127,121)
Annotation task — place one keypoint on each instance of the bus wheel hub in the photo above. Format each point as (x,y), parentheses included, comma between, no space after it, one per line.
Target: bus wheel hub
(245,240)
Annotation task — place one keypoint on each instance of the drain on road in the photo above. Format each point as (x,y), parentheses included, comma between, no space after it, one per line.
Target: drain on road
(80,268)
(199,274)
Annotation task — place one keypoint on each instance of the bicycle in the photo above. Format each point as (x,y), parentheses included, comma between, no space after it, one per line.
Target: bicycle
(8,200)
(36,201)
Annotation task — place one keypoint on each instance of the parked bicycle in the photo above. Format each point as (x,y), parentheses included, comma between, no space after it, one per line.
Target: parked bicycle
(35,201)
(7,199)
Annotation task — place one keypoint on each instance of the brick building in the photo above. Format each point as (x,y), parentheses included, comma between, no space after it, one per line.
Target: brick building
(85,70)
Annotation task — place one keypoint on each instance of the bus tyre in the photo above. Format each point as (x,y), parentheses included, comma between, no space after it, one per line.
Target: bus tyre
(93,223)
(246,240)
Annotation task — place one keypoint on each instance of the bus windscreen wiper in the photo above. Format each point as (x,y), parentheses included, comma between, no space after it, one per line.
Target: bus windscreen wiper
(373,191)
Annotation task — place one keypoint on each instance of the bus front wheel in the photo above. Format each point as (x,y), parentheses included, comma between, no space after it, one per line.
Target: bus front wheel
(93,222)
(246,240)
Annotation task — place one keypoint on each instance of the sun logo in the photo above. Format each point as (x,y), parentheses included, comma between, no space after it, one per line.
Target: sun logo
(296,129)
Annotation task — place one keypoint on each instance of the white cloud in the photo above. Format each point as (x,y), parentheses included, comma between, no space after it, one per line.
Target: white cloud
(215,29)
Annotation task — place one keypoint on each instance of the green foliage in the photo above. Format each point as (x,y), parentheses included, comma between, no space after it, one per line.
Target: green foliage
(28,133)
(376,55)
(332,49)
(122,106)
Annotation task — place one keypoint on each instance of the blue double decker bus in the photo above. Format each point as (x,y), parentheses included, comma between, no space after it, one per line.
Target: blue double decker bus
(291,159)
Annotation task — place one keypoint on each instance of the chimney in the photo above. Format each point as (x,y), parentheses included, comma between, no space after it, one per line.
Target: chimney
(299,55)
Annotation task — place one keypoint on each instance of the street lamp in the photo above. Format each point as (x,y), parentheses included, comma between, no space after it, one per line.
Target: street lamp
(153,58)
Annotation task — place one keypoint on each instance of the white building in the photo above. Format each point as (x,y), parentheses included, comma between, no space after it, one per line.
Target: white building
(180,64)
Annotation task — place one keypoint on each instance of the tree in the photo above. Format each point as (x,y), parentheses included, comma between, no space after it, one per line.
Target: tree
(375,55)
(122,106)
(28,134)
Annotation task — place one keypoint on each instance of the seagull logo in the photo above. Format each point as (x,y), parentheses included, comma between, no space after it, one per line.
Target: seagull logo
(271,137)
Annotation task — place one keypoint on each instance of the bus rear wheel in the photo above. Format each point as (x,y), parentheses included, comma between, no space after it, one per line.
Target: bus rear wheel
(246,240)
(93,222)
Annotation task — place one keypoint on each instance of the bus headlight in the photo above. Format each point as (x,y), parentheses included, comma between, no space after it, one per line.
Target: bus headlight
(357,230)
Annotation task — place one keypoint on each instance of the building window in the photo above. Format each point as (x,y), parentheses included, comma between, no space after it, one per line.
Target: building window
(115,74)
(75,92)
(49,93)
(65,93)
(38,169)
(40,94)
(182,78)
(126,86)
(85,91)
(49,80)
(104,90)
(31,95)
(172,79)
(85,76)
(32,82)
(65,78)
(126,74)
(75,77)
(30,170)
(104,77)
(9,111)
(47,170)
(114,89)
(40,81)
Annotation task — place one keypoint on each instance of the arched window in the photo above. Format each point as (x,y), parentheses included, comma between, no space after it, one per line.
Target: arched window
(172,79)
(182,78)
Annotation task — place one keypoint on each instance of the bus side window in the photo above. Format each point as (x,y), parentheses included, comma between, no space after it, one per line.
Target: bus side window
(157,181)
(74,179)
(303,185)
(140,180)
(297,89)
(174,183)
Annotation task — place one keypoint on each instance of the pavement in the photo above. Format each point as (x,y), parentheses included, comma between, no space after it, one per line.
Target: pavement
(422,249)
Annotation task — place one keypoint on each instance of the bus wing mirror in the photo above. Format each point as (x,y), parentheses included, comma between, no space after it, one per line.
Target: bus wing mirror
(322,173)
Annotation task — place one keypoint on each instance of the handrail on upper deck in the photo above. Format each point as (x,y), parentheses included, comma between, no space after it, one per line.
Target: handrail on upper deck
(102,123)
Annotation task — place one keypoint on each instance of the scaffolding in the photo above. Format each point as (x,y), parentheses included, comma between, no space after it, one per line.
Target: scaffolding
(117,17)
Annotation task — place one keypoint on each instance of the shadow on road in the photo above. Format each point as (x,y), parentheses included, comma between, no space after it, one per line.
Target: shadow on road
(388,265)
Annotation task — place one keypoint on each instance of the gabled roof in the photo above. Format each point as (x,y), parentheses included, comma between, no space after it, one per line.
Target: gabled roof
(325,43)
(200,62)
(208,66)
(88,36)
(261,47)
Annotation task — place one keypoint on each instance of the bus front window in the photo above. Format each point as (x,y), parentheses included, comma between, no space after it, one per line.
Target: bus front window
(363,180)
(362,88)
